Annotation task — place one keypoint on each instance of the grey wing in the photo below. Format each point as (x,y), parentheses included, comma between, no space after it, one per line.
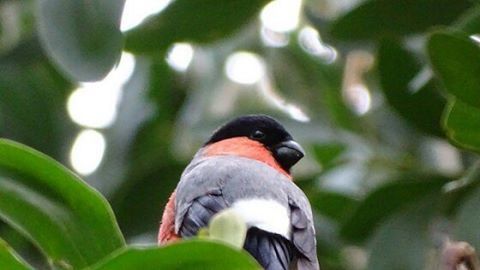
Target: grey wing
(198,197)
(200,212)
(303,231)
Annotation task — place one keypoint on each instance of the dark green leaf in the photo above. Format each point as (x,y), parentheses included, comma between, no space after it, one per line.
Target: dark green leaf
(386,200)
(82,37)
(185,255)
(468,220)
(32,101)
(456,60)
(421,107)
(333,205)
(402,241)
(9,259)
(374,19)
(67,220)
(198,21)
(462,124)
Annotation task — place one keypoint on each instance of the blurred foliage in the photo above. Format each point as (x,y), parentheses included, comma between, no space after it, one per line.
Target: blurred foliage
(388,182)
(200,21)
(83,38)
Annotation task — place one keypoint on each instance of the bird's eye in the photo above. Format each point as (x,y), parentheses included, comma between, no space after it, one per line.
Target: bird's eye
(258,135)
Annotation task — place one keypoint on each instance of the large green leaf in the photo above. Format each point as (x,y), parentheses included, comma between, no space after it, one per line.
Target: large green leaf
(386,200)
(198,21)
(185,255)
(456,60)
(422,107)
(9,259)
(67,220)
(82,37)
(374,19)
(462,124)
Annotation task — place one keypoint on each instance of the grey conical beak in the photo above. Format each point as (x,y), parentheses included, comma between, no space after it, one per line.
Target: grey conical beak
(288,153)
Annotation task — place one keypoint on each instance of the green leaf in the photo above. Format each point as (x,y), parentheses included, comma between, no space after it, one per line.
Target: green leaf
(9,259)
(469,22)
(327,154)
(468,220)
(334,205)
(195,254)
(386,200)
(374,19)
(456,60)
(462,124)
(402,242)
(228,227)
(67,220)
(200,21)
(82,37)
(422,107)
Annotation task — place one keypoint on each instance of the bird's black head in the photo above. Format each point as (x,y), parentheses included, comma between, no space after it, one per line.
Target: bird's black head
(265,130)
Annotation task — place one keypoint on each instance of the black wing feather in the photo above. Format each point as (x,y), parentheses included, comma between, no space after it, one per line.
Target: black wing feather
(272,251)
(200,212)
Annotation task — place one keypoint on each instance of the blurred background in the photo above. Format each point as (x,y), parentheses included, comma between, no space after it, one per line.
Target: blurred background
(350,79)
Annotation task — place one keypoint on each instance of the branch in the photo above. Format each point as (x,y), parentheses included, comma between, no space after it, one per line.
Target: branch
(458,254)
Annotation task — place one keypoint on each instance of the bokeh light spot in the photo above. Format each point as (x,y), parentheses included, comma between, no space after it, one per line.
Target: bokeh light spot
(87,151)
(94,105)
(135,11)
(180,56)
(245,68)
(281,15)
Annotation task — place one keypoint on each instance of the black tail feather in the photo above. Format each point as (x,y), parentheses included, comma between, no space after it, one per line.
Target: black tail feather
(272,251)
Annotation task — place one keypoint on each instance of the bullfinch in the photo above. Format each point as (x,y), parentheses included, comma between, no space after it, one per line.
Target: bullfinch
(245,166)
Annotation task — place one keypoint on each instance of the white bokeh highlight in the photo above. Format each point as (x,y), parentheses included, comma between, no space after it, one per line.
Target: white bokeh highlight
(274,39)
(87,151)
(310,41)
(281,15)
(180,56)
(135,11)
(94,105)
(245,68)
(358,96)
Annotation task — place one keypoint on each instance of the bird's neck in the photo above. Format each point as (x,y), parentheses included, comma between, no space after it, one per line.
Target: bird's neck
(244,147)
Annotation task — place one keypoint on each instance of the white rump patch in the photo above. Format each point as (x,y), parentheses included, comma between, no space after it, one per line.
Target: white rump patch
(267,215)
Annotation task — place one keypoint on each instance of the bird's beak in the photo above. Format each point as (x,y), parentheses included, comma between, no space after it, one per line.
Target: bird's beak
(288,153)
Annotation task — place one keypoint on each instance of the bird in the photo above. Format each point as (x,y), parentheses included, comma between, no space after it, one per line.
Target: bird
(245,167)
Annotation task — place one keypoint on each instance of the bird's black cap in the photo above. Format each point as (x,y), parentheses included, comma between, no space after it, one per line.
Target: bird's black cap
(265,130)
